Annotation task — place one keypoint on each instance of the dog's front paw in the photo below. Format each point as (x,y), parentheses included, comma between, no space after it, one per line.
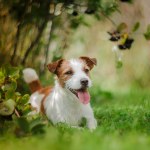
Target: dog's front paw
(92,124)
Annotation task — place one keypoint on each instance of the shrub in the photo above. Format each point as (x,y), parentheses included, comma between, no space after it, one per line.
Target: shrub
(14,106)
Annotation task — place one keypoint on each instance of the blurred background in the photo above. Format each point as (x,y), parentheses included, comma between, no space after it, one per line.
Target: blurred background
(116,32)
(36,32)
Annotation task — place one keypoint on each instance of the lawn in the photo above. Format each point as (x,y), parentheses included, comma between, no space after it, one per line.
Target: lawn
(123,124)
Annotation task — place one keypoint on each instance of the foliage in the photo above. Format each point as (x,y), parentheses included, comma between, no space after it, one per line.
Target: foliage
(28,28)
(100,96)
(123,122)
(124,119)
(14,107)
(136,27)
(122,36)
(10,99)
(147,33)
(30,18)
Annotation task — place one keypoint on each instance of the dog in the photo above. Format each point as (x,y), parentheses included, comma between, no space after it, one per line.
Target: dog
(69,100)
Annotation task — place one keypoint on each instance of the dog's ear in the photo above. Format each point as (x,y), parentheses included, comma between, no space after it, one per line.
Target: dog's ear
(52,67)
(89,61)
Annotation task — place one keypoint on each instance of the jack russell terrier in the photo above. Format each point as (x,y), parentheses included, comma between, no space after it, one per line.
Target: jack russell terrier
(69,100)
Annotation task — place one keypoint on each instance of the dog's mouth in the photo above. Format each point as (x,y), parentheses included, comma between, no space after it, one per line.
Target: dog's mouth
(82,94)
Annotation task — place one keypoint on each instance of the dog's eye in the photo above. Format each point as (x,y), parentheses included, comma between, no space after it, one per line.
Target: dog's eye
(69,72)
(86,70)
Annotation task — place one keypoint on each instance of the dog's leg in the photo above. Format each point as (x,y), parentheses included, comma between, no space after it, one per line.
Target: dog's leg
(91,123)
(89,115)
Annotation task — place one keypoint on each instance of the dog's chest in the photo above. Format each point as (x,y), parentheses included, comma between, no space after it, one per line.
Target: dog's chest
(63,107)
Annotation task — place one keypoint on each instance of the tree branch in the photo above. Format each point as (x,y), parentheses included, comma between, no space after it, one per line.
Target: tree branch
(41,29)
(20,19)
(47,47)
(16,43)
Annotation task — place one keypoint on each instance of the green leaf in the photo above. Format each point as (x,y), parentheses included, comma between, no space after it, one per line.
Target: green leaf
(35,122)
(17,94)
(10,86)
(23,124)
(9,95)
(7,107)
(119,64)
(38,129)
(83,122)
(26,109)
(24,99)
(13,72)
(121,26)
(9,90)
(136,26)
(2,76)
(147,33)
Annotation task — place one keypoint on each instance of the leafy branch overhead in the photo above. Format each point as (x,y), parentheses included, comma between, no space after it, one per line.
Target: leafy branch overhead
(31,20)
(32,17)
(121,36)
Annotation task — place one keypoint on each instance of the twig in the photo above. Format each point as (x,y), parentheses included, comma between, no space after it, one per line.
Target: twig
(17,113)
(108,18)
(83,5)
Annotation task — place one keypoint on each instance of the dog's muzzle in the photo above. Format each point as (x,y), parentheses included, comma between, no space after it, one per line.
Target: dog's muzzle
(82,94)
(84,82)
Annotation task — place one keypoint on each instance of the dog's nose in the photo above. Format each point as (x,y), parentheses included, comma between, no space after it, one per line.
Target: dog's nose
(84,82)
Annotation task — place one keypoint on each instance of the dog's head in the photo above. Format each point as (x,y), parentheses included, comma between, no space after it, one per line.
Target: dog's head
(74,75)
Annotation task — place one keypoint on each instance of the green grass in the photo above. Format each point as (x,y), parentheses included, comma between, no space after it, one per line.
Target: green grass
(123,124)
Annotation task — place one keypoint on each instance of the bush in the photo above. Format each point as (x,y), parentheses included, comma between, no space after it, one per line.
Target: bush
(14,106)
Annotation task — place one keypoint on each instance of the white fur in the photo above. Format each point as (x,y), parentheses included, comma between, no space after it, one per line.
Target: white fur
(74,81)
(30,75)
(35,100)
(61,105)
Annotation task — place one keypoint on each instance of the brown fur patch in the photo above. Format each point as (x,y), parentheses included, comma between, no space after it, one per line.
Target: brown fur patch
(35,86)
(86,69)
(54,66)
(46,92)
(65,67)
(89,61)
(62,72)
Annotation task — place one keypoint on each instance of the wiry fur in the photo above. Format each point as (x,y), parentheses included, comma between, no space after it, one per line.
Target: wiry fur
(61,105)
(74,81)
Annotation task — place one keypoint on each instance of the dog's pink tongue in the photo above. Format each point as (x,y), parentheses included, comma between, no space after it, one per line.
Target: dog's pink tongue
(84,96)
